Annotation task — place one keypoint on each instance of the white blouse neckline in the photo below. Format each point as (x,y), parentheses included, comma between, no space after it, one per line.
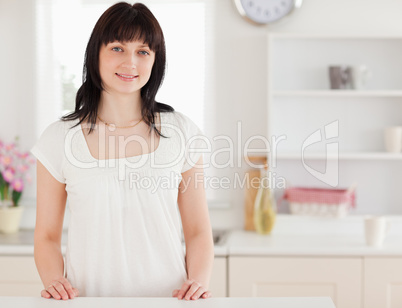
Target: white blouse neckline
(158,149)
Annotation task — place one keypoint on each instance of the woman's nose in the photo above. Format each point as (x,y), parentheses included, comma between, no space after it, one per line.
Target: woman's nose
(130,62)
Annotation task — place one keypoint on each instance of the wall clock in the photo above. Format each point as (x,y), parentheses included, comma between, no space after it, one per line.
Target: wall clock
(266,11)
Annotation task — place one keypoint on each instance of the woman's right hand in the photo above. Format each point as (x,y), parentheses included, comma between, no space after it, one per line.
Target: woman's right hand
(60,289)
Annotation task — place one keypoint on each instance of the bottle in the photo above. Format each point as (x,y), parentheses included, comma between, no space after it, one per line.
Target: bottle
(264,205)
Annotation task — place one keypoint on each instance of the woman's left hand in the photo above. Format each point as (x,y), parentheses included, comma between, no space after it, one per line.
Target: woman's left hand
(191,289)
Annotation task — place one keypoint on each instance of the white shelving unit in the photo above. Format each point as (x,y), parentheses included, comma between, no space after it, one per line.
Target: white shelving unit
(344,156)
(299,94)
(337,93)
(300,103)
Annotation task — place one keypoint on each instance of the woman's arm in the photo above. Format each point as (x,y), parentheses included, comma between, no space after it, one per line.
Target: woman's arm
(197,233)
(50,207)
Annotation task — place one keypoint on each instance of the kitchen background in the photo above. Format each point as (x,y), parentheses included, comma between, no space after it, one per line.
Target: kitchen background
(240,80)
(232,56)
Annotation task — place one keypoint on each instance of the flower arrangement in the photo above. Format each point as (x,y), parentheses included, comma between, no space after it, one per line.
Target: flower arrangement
(13,172)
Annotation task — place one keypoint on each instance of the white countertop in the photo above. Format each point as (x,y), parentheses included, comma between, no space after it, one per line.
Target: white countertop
(291,236)
(315,236)
(243,243)
(129,302)
(22,243)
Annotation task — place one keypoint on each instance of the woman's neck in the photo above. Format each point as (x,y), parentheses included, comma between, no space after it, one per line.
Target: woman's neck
(120,109)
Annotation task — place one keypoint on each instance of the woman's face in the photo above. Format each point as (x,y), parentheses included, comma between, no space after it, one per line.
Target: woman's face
(125,67)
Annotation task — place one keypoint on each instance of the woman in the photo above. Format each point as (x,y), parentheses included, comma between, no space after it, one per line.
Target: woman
(124,237)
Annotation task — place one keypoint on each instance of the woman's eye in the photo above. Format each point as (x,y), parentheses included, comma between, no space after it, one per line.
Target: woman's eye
(143,52)
(117,49)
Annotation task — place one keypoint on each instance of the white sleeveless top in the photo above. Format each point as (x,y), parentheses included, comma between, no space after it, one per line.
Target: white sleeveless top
(124,234)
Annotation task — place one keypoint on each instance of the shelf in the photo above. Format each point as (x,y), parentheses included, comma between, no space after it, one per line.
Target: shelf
(343,156)
(337,93)
(326,36)
(341,131)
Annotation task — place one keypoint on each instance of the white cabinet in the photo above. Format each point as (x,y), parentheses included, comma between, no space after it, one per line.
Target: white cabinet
(301,108)
(218,282)
(376,280)
(382,282)
(338,278)
(19,277)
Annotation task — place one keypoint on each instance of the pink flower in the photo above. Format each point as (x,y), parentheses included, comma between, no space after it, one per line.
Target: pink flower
(8,175)
(31,160)
(17,185)
(23,168)
(6,160)
(16,152)
(10,146)
(28,178)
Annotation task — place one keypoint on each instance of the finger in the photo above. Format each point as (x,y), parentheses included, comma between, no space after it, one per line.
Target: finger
(201,290)
(175,292)
(194,287)
(186,285)
(206,294)
(60,288)
(76,292)
(67,287)
(45,294)
(50,289)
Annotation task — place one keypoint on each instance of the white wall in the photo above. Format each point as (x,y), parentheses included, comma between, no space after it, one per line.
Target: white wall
(17,56)
(240,71)
(17,79)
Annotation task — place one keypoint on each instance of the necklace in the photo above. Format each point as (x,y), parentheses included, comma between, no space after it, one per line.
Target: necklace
(112,125)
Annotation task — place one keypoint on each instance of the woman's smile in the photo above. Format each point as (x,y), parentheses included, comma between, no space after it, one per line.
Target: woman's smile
(126,77)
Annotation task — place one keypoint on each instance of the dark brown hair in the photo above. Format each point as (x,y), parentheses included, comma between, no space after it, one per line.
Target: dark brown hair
(122,22)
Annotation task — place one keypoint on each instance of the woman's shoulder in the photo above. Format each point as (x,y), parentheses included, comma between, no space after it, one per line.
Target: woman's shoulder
(185,123)
(180,117)
(55,126)
(58,127)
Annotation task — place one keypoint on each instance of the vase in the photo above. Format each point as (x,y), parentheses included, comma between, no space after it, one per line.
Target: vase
(10,217)
(264,205)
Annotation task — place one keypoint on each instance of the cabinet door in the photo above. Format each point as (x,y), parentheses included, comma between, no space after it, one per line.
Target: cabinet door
(338,278)
(19,277)
(382,282)
(218,282)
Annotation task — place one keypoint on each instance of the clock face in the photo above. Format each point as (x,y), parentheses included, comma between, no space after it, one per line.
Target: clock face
(265,11)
